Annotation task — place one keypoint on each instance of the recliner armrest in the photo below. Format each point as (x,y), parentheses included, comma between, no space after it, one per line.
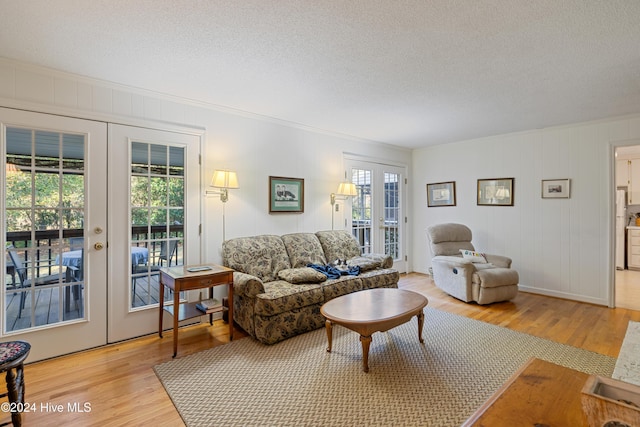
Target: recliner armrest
(454,264)
(498,260)
(454,260)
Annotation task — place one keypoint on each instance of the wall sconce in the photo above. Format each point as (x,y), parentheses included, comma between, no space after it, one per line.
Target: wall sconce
(223,179)
(345,189)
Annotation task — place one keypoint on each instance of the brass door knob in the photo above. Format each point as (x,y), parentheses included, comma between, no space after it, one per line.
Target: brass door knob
(98,246)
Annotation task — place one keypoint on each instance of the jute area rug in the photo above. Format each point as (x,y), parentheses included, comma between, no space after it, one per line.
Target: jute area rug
(297,383)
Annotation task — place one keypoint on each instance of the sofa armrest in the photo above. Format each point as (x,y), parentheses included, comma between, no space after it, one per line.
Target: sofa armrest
(386,261)
(247,285)
(498,260)
(368,262)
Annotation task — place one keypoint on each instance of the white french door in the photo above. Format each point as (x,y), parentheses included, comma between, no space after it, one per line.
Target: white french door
(154,196)
(377,217)
(54,229)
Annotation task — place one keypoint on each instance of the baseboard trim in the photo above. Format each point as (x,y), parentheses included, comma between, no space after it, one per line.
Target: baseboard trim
(564,295)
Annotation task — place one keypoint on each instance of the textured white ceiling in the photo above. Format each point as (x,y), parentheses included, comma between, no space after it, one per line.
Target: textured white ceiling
(409,73)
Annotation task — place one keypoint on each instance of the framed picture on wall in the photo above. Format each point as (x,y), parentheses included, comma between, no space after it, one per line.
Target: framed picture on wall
(286,194)
(441,194)
(495,192)
(556,188)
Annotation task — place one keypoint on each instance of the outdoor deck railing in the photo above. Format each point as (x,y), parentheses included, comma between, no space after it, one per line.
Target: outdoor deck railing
(47,243)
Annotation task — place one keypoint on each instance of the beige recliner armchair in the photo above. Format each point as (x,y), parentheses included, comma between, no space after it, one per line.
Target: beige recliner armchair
(466,274)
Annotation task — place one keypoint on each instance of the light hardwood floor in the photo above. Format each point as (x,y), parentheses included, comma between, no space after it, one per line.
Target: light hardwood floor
(119,383)
(628,289)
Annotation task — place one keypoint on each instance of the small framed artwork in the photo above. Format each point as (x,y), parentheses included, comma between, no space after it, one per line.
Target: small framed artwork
(556,188)
(441,194)
(495,192)
(286,194)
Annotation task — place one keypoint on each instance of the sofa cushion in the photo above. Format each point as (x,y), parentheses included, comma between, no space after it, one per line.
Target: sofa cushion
(301,275)
(371,262)
(280,296)
(386,261)
(380,278)
(343,285)
(365,264)
(338,244)
(261,256)
(303,249)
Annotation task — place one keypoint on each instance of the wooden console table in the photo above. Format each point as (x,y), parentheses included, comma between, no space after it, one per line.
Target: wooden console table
(180,279)
(540,393)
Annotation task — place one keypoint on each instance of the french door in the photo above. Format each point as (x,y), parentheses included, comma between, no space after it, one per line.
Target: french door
(91,211)
(154,195)
(55,216)
(377,216)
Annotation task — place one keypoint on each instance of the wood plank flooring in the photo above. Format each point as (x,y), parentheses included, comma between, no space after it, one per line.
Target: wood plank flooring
(119,383)
(628,289)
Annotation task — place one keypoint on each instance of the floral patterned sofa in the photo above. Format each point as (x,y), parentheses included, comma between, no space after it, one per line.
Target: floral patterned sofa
(276,295)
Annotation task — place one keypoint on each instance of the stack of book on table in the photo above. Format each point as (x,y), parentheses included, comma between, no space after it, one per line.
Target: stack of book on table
(209,305)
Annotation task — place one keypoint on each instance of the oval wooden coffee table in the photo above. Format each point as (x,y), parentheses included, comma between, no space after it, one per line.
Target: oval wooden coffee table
(373,310)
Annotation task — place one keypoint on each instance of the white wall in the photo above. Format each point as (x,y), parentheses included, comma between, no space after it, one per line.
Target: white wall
(254,146)
(258,149)
(560,247)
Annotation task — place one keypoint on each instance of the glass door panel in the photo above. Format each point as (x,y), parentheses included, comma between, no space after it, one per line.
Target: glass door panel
(376,217)
(361,208)
(157,217)
(391,216)
(49,298)
(44,201)
(153,224)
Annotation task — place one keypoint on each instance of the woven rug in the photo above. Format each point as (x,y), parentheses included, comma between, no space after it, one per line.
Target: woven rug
(297,383)
(628,366)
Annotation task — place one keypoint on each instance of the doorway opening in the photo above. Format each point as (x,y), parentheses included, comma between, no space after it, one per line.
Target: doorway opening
(627,234)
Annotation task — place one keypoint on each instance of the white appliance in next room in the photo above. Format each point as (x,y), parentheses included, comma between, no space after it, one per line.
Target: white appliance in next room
(621,224)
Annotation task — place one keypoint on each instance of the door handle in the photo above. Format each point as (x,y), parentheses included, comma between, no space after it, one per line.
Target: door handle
(98,246)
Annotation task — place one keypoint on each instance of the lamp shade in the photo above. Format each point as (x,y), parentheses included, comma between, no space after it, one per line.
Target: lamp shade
(224,179)
(347,189)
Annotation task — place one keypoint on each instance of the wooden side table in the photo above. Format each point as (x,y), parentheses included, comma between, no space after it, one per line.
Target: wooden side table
(181,279)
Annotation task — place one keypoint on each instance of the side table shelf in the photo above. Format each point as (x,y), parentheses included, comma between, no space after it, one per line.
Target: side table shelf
(186,310)
(213,310)
(178,279)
